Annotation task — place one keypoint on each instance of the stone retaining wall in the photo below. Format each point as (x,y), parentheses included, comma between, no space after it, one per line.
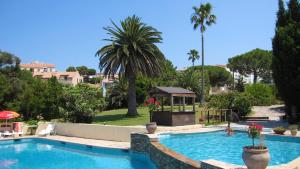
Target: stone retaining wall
(162,157)
(165,158)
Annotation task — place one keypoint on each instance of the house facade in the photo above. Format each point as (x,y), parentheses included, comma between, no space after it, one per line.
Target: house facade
(68,78)
(46,71)
(38,67)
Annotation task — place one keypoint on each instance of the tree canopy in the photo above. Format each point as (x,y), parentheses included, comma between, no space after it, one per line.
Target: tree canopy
(256,62)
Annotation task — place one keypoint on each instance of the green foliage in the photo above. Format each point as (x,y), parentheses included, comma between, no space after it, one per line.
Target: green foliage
(240,85)
(32,122)
(71,69)
(193,56)
(221,101)
(279,130)
(190,80)
(236,101)
(8,62)
(218,76)
(81,103)
(167,76)
(260,94)
(202,17)
(256,62)
(242,104)
(117,94)
(95,80)
(286,60)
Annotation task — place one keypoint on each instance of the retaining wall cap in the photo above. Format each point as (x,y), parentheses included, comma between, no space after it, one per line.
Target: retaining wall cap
(175,155)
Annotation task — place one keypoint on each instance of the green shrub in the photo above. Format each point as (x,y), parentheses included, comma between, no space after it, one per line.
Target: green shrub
(279,130)
(260,94)
(242,104)
(236,101)
(81,103)
(32,122)
(221,101)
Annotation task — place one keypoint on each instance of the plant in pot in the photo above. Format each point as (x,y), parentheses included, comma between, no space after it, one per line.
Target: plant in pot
(255,156)
(279,130)
(294,129)
(153,106)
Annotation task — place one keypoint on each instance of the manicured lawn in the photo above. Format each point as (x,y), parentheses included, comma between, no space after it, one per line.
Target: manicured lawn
(118,116)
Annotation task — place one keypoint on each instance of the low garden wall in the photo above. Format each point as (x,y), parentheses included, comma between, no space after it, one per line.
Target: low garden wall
(97,131)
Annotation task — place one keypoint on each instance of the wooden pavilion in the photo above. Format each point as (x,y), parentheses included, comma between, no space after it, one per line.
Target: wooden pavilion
(174,110)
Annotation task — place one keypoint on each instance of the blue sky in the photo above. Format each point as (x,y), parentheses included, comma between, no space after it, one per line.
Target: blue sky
(69,32)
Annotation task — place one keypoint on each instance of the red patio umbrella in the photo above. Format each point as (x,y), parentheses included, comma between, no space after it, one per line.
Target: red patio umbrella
(5,115)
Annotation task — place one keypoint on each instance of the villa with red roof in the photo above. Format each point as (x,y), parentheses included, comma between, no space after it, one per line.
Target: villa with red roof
(46,71)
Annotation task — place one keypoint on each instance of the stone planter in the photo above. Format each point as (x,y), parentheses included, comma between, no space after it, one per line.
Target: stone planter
(151,127)
(256,158)
(294,132)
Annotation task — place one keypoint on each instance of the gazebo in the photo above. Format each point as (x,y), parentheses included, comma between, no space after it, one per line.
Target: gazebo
(174,109)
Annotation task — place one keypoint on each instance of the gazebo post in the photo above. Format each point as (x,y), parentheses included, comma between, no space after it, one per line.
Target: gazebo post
(171,103)
(193,104)
(162,103)
(179,105)
(183,102)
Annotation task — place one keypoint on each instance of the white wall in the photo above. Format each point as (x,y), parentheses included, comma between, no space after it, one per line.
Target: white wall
(96,131)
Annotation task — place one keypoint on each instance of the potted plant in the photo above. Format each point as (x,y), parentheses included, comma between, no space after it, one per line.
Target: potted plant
(255,156)
(294,129)
(279,130)
(152,106)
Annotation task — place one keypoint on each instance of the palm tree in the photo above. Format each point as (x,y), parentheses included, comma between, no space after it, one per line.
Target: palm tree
(202,17)
(132,51)
(193,55)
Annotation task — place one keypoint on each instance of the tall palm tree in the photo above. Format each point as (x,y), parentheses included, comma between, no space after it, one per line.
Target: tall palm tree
(132,51)
(202,17)
(193,55)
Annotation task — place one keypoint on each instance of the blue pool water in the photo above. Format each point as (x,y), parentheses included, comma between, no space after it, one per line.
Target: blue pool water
(46,154)
(218,146)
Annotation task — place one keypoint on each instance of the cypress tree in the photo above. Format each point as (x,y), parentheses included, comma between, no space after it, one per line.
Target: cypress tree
(286,59)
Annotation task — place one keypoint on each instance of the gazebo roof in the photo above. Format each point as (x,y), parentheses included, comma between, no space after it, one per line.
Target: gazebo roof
(171,91)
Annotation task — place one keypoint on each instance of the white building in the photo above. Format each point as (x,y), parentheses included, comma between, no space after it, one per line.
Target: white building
(247,79)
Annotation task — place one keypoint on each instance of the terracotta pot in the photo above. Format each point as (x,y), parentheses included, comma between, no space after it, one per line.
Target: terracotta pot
(256,158)
(294,132)
(151,127)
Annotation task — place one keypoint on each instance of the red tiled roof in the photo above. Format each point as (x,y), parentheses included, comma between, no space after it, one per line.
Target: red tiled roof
(37,65)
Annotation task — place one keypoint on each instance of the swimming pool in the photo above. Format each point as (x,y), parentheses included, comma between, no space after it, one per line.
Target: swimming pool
(218,146)
(39,153)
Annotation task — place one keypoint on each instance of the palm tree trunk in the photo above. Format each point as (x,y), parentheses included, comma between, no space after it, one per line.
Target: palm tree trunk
(202,80)
(132,111)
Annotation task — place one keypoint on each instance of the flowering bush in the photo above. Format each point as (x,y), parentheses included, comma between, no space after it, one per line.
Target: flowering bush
(254,131)
(152,104)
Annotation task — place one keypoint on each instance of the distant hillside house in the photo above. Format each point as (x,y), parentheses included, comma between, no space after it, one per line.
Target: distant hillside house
(46,71)
(38,67)
(69,78)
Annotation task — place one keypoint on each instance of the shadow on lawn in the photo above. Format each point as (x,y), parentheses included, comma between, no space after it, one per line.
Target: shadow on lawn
(114,117)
